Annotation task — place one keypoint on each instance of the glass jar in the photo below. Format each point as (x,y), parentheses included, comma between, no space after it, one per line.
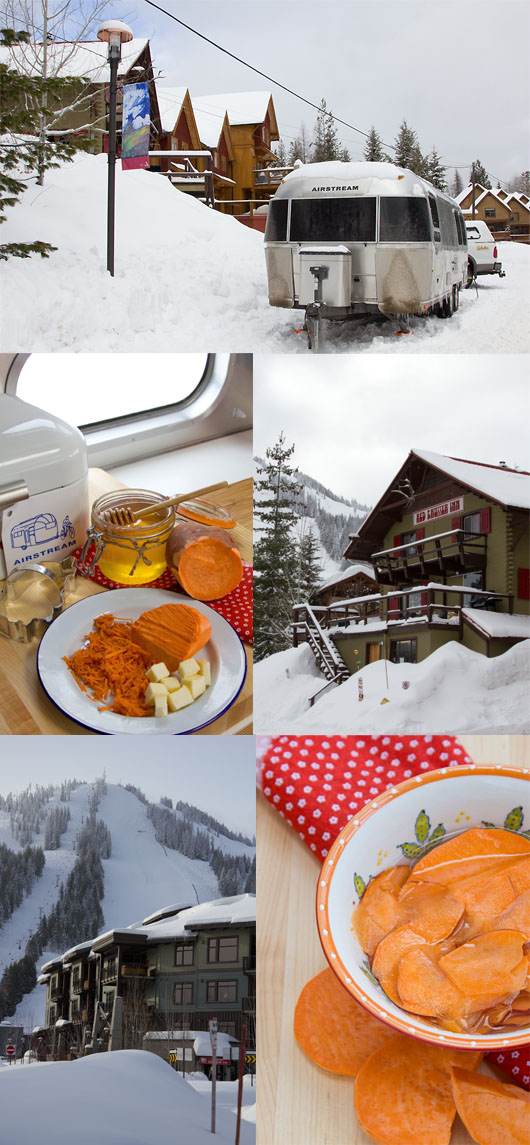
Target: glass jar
(130,554)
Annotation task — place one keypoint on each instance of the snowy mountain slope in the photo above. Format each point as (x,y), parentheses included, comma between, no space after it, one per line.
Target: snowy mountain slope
(172,284)
(141,876)
(453,690)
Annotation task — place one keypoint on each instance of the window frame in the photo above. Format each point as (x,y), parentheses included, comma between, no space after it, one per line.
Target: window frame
(212,987)
(185,947)
(182,986)
(231,938)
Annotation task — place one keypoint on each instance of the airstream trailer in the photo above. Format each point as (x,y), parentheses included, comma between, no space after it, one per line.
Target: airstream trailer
(349,239)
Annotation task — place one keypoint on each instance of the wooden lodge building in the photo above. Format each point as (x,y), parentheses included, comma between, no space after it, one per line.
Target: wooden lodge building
(506,213)
(449,544)
(179,968)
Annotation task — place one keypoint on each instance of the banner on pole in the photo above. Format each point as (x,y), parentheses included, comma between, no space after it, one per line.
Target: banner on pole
(136,124)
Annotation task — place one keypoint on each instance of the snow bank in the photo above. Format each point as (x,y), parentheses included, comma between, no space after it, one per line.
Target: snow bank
(453,690)
(187,276)
(123,1098)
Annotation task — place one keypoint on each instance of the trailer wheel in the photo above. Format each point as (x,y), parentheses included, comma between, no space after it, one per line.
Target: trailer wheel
(471,275)
(456,298)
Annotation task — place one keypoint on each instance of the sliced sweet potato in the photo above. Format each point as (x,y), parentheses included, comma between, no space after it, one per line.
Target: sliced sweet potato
(378,911)
(431,910)
(403,1093)
(424,989)
(470,853)
(205,560)
(493,1112)
(172,633)
(492,964)
(333,1029)
(388,955)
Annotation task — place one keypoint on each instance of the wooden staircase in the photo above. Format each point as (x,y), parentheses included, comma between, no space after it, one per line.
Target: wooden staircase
(306,629)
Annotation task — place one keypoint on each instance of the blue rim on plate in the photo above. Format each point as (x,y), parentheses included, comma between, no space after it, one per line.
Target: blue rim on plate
(225,651)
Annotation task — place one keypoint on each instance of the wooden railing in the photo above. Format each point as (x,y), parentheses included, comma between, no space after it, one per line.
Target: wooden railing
(434,603)
(445,554)
(306,629)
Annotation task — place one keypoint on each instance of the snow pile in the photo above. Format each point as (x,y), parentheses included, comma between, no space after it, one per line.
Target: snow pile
(453,690)
(125,1098)
(186,276)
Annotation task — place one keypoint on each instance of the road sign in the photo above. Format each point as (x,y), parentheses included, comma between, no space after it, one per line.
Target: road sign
(250,1059)
(10,1050)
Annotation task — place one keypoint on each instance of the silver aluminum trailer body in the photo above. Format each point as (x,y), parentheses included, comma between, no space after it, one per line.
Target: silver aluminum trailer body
(399,242)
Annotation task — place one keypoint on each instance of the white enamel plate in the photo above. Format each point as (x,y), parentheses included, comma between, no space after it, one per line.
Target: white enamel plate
(224,650)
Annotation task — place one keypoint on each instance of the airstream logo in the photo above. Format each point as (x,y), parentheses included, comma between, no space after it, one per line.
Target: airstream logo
(345,187)
(36,531)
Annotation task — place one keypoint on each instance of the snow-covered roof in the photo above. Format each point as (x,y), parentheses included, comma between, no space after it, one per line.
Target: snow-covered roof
(220,912)
(165,912)
(507,486)
(209,120)
(85,60)
(366,178)
(498,624)
(352,570)
(170,100)
(241,106)
(76,951)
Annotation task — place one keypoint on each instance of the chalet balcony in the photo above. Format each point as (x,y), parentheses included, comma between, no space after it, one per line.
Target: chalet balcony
(270,177)
(56,993)
(443,555)
(109,973)
(128,970)
(77,985)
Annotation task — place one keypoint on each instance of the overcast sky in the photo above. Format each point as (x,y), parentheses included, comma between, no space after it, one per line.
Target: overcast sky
(456,71)
(355,419)
(215,773)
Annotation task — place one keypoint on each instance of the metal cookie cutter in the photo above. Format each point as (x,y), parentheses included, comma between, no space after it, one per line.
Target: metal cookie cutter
(30,598)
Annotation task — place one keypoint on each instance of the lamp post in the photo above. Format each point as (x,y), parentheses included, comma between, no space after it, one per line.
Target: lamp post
(115,33)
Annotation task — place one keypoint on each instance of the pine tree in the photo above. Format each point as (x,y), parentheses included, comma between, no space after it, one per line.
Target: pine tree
(22,153)
(457,185)
(373,148)
(436,170)
(299,148)
(479,174)
(280,152)
(275,552)
(310,566)
(406,147)
(326,145)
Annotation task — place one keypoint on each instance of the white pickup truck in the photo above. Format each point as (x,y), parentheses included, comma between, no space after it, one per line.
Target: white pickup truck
(482,251)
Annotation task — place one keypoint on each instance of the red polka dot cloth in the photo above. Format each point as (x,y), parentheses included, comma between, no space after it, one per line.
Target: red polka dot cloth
(317,783)
(236,606)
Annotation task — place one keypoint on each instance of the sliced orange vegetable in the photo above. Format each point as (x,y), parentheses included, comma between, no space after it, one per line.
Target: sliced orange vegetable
(388,955)
(493,1113)
(492,964)
(431,910)
(171,633)
(205,560)
(517,916)
(403,1093)
(333,1029)
(468,854)
(378,911)
(424,988)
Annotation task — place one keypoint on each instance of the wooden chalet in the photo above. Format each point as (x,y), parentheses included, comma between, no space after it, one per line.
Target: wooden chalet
(357,580)
(86,115)
(506,213)
(186,128)
(449,544)
(253,128)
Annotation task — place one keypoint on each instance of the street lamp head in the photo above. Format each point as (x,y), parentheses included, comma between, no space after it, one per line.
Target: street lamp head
(115,33)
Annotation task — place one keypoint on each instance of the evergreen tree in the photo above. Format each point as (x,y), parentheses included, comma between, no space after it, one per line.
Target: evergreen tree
(406,151)
(480,175)
(280,152)
(275,553)
(326,145)
(457,185)
(373,148)
(23,153)
(436,170)
(299,148)
(310,566)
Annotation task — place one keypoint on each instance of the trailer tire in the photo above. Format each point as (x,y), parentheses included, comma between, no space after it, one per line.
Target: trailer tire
(471,273)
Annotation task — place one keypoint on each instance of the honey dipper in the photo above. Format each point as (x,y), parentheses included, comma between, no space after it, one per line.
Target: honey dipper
(123,516)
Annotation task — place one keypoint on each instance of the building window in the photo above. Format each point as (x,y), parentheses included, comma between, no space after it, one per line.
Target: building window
(184,954)
(183,993)
(473,580)
(470,525)
(411,605)
(217,991)
(108,1001)
(403,651)
(489,212)
(223,949)
(406,538)
(227,1028)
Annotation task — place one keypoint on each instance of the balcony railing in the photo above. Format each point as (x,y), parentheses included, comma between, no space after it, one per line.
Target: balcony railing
(270,176)
(444,554)
(433,604)
(129,971)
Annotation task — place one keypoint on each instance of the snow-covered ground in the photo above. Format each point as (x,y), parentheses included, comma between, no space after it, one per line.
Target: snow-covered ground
(453,690)
(188,277)
(124,1098)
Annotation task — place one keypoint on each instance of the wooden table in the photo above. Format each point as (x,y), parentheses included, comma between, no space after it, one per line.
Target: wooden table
(25,709)
(298,1103)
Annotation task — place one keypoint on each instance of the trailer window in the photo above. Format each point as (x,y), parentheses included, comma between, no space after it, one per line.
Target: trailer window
(448,224)
(461,229)
(276,229)
(433,206)
(404,220)
(333,220)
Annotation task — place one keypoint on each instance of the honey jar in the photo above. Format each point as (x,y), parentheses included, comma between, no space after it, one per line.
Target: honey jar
(129,554)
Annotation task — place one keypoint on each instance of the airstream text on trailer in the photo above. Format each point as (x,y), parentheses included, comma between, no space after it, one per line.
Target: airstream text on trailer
(349,239)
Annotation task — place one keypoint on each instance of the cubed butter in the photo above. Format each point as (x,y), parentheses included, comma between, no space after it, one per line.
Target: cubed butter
(179,699)
(195,684)
(155,691)
(171,684)
(161,705)
(204,670)
(188,668)
(157,672)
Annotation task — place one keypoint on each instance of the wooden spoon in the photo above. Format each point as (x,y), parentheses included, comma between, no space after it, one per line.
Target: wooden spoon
(122,515)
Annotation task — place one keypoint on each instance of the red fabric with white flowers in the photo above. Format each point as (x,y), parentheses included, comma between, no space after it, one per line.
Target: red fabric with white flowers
(317,783)
(236,606)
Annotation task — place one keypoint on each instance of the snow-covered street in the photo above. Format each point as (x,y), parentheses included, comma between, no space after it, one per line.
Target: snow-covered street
(187,278)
